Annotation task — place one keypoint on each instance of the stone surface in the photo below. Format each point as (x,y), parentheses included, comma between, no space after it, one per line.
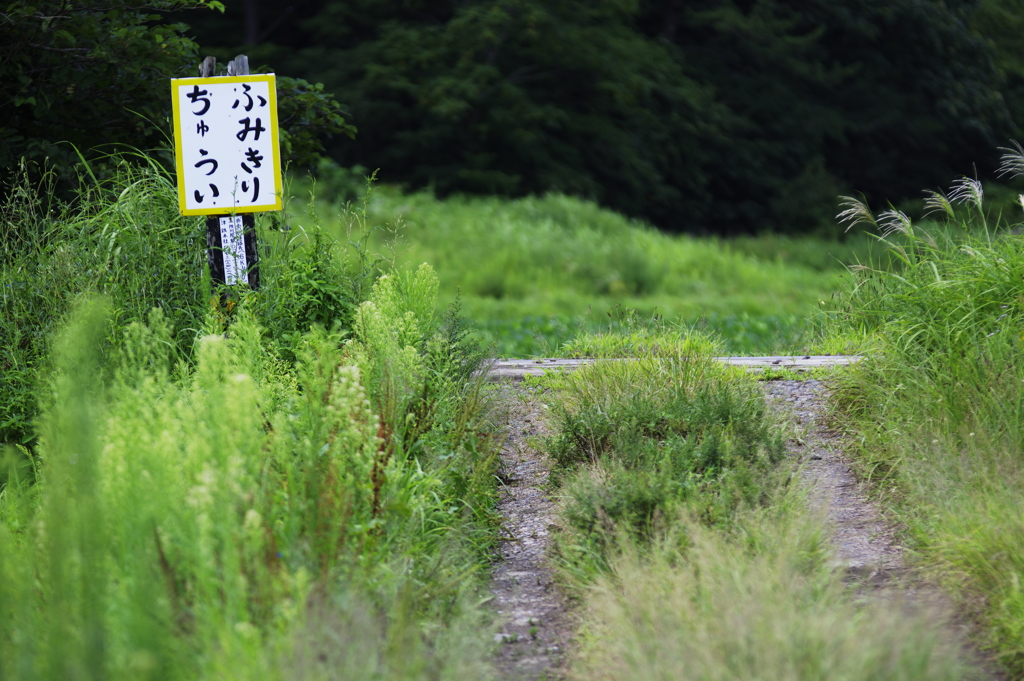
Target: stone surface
(535,624)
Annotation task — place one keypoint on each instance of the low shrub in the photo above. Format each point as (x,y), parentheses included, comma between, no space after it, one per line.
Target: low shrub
(640,440)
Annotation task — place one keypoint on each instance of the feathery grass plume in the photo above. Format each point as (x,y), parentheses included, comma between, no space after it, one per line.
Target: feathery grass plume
(895,221)
(937,202)
(855,213)
(966,190)
(1012,161)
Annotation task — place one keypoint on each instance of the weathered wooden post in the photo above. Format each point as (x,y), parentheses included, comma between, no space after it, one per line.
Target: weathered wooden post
(228,161)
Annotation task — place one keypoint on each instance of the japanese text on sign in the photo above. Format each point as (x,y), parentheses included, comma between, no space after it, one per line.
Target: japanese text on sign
(226,148)
(233,246)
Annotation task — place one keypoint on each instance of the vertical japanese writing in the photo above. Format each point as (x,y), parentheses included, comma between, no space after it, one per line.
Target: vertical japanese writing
(232,243)
(227,154)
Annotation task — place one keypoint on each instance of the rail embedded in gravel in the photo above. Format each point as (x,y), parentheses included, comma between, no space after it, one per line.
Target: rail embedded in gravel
(517,369)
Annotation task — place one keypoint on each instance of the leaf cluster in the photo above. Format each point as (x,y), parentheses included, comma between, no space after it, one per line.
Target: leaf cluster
(723,116)
(78,75)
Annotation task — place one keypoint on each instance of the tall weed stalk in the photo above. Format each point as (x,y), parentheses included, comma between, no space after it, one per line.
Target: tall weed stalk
(206,509)
(936,406)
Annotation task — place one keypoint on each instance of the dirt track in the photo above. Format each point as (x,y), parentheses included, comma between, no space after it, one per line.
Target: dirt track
(536,627)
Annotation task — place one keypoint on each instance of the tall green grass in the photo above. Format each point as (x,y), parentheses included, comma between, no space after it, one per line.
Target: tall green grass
(690,547)
(936,408)
(534,272)
(227,492)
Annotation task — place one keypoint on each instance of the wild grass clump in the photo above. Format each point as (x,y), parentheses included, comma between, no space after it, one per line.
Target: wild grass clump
(936,407)
(535,272)
(640,440)
(219,497)
(762,603)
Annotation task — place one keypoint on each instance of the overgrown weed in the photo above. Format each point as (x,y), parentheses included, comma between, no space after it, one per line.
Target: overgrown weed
(213,488)
(935,410)
(639,441)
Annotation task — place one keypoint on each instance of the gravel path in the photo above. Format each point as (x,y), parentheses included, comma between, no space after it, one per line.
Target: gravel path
(536,626)
(864,543)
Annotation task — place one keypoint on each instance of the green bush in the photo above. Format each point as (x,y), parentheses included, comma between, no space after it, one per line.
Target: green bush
(641,440)
(192,521)
(936,408)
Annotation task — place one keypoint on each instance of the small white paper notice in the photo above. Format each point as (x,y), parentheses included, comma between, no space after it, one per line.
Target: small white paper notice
(232,243)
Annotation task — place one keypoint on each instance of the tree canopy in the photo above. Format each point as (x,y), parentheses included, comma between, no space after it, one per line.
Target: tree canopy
(721,116)
(73,75)
(84,77)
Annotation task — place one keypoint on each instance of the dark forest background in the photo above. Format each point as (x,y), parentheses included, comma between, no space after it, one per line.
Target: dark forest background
(709,116)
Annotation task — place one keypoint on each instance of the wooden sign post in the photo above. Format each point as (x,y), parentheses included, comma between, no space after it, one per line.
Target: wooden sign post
(228,161)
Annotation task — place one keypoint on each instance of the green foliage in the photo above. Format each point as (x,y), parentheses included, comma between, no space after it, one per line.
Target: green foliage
(534,272)
(55,253)
(310,278)
(75,76)
(936,407)
(308,117)
(639,441)
(829,95)
(1001,24)
(720,116)
(219,519)
(125,239)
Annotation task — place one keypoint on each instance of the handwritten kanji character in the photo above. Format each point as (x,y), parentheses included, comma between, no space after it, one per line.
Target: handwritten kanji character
(198,95)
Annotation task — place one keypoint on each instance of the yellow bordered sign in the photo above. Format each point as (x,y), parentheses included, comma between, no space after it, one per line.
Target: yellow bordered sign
(226,145)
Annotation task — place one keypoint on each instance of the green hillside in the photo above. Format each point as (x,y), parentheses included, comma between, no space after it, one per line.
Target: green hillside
(532,272)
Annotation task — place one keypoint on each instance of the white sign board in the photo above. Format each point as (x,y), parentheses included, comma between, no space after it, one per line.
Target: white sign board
(225,144)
